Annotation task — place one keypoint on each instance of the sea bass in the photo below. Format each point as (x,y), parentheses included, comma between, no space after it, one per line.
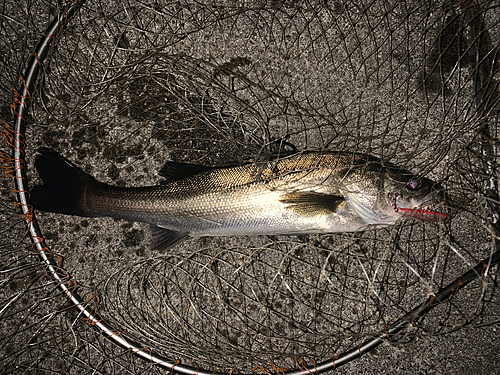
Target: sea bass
(313,192)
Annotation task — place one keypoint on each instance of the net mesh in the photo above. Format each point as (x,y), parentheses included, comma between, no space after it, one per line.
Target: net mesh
(132,84)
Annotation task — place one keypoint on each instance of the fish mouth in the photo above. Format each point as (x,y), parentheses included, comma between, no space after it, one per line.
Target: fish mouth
(424,211)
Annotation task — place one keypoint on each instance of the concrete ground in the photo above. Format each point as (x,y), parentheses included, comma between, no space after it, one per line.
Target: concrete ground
(130,86)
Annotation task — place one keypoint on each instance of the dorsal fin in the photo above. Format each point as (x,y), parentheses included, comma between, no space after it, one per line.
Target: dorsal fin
(174,171)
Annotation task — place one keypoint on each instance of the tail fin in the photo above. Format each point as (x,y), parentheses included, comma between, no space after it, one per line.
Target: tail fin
(64,184)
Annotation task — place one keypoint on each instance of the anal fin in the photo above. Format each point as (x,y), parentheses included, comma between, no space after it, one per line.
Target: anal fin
(311,204)
(164,239)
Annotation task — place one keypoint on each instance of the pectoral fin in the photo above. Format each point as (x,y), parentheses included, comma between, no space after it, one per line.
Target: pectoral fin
(164,239)
(311,204)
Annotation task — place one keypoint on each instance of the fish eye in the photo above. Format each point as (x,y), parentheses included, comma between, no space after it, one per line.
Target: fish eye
(414,184)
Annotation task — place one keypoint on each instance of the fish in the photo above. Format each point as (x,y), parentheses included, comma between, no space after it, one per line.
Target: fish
(305,193)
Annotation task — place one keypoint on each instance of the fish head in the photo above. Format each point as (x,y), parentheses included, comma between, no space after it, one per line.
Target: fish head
(380,195)
(405,194)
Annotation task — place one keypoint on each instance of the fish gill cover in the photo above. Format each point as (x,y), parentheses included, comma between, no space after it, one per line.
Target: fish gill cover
(131,85)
